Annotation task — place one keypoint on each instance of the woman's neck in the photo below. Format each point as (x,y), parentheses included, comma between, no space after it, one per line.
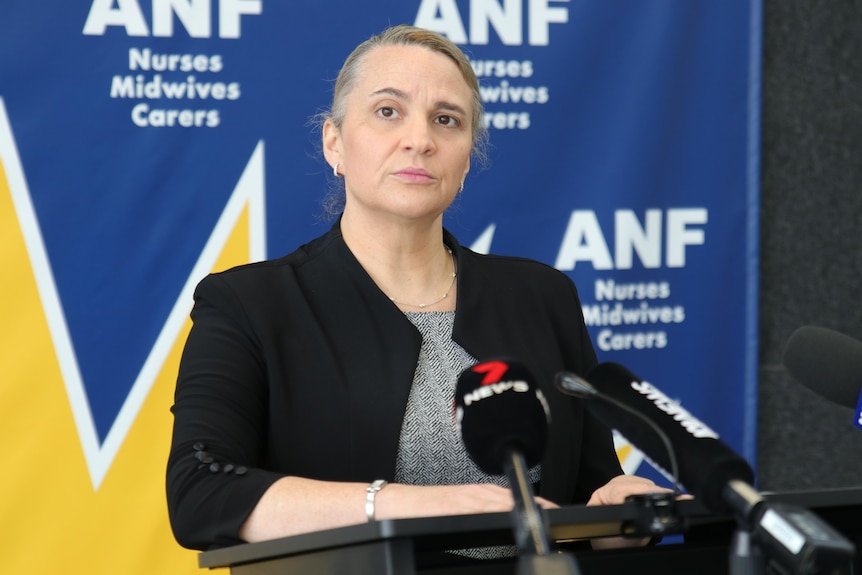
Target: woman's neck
(409,262)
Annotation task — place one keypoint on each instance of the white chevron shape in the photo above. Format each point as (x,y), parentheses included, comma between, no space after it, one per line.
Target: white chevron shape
(250,190)
(482,245)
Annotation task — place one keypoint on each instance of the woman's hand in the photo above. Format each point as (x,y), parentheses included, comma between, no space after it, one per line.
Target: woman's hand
(615,492)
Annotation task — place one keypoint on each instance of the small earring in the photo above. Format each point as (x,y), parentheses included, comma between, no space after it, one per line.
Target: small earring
(335,169)
(461,189)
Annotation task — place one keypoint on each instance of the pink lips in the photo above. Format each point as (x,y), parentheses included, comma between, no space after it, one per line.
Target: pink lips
(414,175)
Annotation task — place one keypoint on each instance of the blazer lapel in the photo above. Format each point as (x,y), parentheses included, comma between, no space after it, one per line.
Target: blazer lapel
(376,350)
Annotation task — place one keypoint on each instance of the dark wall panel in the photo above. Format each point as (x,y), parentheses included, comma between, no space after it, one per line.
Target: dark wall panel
(811,231)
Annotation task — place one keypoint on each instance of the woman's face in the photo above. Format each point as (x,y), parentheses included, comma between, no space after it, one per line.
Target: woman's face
(404,145)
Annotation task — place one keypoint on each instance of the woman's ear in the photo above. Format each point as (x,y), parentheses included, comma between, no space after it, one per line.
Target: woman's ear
(331,143)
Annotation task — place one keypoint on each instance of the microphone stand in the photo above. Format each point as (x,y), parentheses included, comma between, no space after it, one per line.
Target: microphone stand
(531,537)
(745,556)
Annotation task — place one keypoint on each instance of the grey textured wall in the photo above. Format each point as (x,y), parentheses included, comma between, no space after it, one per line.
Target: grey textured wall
(811,232)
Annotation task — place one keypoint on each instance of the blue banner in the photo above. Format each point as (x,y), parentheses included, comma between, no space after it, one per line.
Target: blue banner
(144,144)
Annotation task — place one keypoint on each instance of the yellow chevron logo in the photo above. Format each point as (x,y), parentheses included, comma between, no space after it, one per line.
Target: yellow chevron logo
(68,501)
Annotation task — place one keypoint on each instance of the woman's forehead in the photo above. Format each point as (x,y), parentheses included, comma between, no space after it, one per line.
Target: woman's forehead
(406,67)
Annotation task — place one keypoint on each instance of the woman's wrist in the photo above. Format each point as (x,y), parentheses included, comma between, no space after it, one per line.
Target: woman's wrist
(371,498)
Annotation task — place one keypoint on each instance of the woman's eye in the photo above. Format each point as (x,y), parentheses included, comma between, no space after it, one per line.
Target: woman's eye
(387,112)
(445,120)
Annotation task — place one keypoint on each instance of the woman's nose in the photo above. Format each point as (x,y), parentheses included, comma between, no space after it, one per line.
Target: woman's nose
(418,136)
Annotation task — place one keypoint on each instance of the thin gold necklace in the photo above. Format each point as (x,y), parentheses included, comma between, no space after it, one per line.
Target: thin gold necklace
(444,296)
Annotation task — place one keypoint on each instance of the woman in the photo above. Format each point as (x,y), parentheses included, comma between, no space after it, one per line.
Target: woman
(306,379)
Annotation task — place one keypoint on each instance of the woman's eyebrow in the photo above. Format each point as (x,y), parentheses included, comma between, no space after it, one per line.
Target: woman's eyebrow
(402,95)
(391,92)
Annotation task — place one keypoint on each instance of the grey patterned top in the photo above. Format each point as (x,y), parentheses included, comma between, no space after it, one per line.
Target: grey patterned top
(430,450)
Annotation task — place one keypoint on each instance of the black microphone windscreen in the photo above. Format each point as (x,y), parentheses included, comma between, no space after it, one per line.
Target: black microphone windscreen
(826,362)
(706,464)
(499,408)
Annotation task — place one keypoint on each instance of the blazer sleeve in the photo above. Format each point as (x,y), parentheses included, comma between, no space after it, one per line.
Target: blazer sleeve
(219,423)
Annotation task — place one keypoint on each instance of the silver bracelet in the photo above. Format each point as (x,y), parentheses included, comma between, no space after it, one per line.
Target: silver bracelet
(370,494)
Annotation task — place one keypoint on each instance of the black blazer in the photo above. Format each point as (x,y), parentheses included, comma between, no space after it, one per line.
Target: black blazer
(302,366)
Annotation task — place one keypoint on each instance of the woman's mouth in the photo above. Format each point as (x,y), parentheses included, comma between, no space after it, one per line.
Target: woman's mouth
(414,175)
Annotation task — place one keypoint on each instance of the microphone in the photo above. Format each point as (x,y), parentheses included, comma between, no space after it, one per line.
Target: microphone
(658,510)
(499,409)
(503,419)
(829,364)
(705,464)
(576,386)
(794,537)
